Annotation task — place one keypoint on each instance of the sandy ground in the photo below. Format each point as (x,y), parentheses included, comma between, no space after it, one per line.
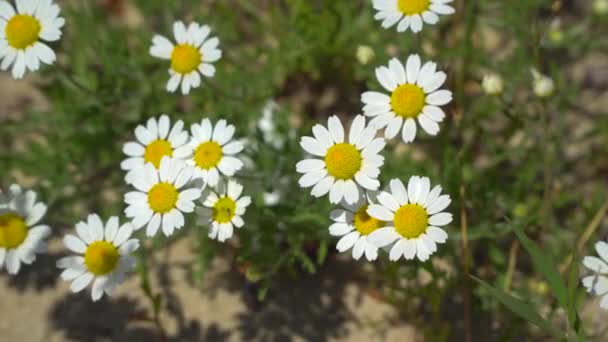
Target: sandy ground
(326,307)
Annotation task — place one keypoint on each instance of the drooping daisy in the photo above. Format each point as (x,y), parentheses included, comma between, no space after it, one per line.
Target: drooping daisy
(21,32)
(346,166)
(597,284)
(414,217)
(223,210)
(20,235)
(104,255)
(154,141)
(213,151)
(414,96)
(411,13)
(353,224)
(192,55)
(160,199)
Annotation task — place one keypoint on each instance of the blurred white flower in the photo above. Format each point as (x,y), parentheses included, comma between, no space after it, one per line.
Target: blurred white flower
(365,54)
(21,238)
(600,7)
(190,58)
(543,85)
(597,284)
(272,198)
(492,84)
(21,32)
(104,255)
(266,124)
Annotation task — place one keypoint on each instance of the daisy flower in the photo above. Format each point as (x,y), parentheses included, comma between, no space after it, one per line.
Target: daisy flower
(224,210)
(345,167)
(597,284)
(414,96)
(154,141)
(414,217)
(20,235)
(160,197)
(104,255)
(192,55)
(213,151)
(411,13)
(353,224)
(21,32)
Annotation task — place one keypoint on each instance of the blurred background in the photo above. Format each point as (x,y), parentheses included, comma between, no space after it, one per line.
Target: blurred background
(508,159)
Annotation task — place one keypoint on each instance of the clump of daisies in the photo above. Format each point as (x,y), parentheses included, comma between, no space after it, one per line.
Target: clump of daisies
(24,29)
(103,255)
(411,14)
(191,56)
(597,283)
(21,234)
(414,97)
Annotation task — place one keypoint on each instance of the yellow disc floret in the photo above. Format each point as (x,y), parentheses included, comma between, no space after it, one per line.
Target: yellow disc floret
(411,220)
(162,197)
(411,7)
(101,257)
(364,223)
(224,210)
(156,150)
(208,155)
(343,161)
(408,100)
(13,230)
(22,30)
(185,58)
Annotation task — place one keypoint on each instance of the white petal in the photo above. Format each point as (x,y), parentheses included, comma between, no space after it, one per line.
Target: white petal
(398,191)
(379,212)
(383,236)
(74,244)
(440,219)
(413,66)
(81,282)
(347,241)
(336,130)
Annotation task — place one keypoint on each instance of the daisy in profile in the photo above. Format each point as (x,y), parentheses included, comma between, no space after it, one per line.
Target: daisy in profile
(154,141)
(414,96)
(190,57)
(21,237)
(341,168)
(214,151)
(414,215)
(161,198)
(597,284)
(104,255)
(22,31)
(411,13)
(354,224)
(223,210)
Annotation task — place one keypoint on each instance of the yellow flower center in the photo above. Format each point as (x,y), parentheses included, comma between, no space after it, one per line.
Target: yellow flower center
(13,230)
(364,223)
(156,150)
(185,58)
(408,100)
(101,257)
(411,7)
(162,197)
(224,210)
(208,155)
(22,30)
(411,220)
(343,161)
